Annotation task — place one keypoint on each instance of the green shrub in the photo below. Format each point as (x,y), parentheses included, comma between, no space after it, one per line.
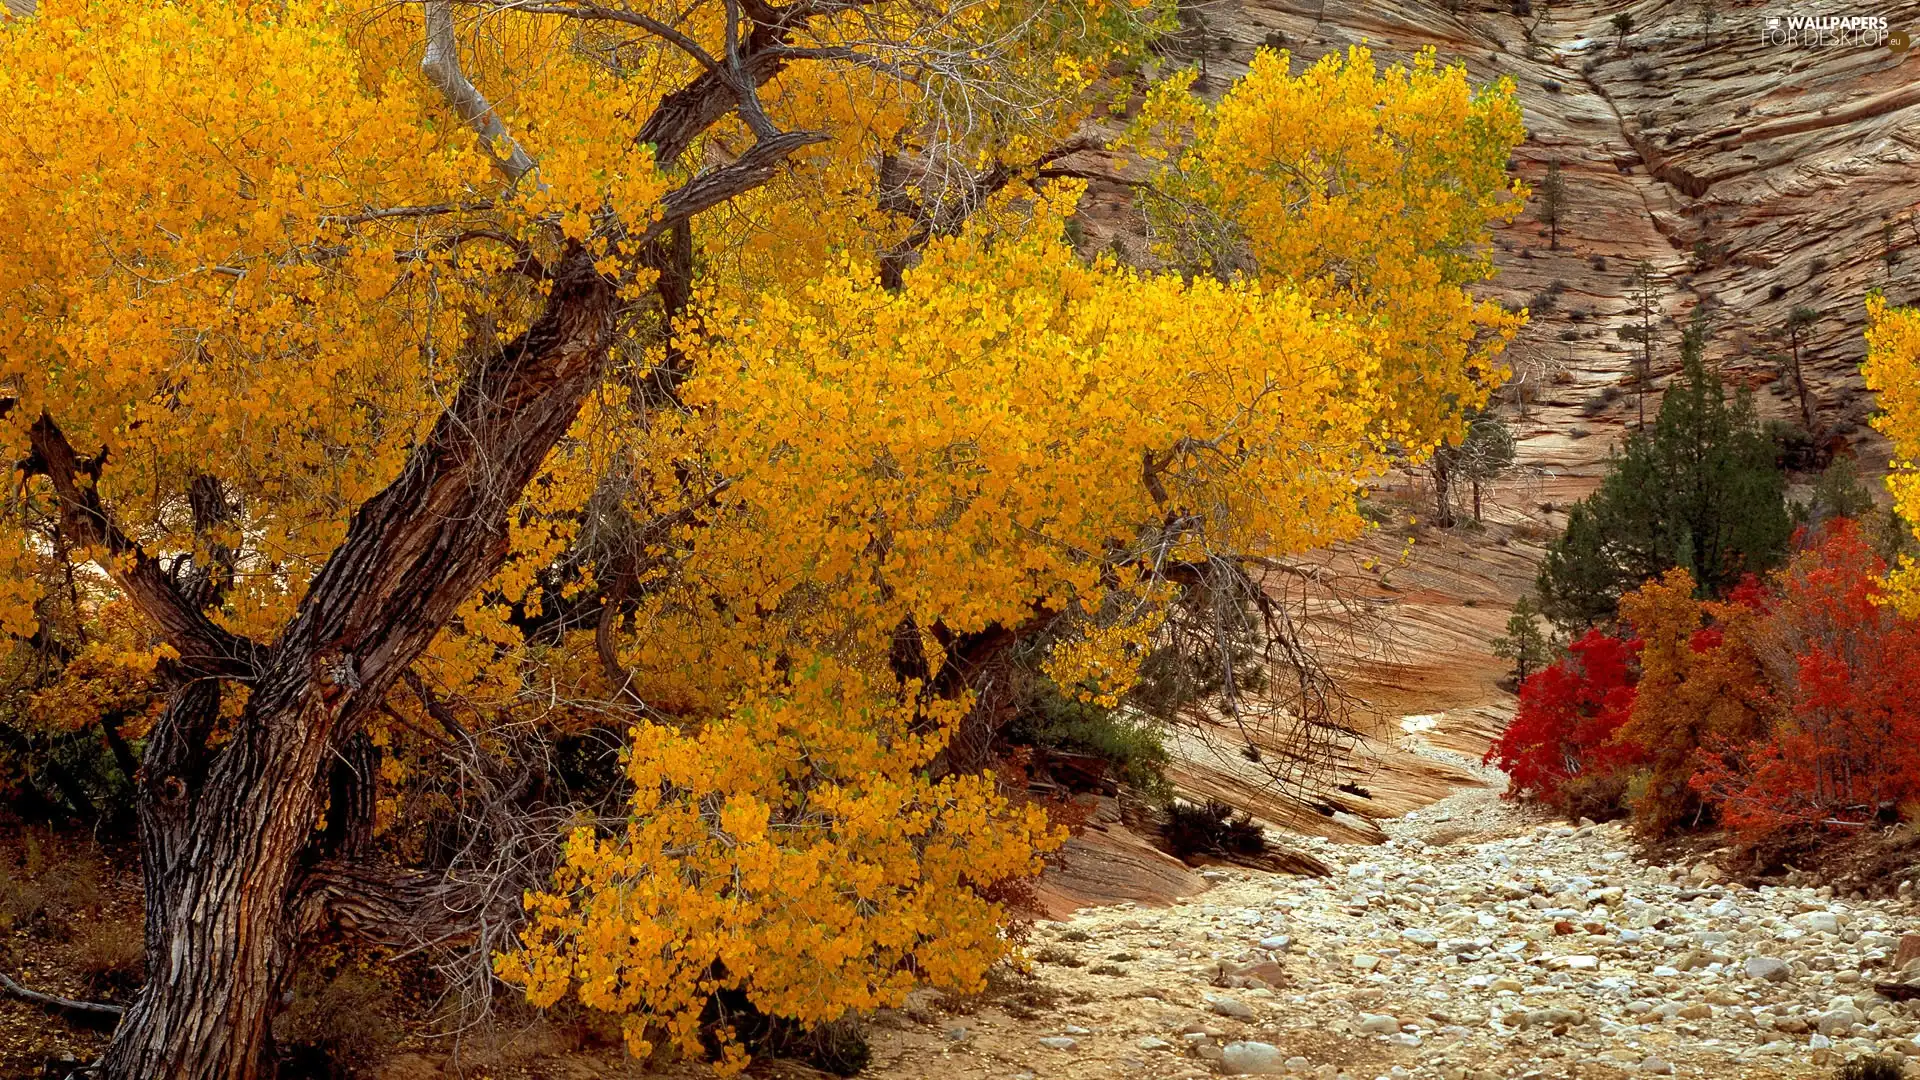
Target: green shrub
(1133,745)
(1211,828)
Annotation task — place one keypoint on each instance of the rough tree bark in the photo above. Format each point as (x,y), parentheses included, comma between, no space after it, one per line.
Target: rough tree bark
(235,871)
(225,838)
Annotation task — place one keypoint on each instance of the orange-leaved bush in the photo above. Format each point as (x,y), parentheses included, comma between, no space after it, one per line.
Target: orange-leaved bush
(1701,684)
(1561,746)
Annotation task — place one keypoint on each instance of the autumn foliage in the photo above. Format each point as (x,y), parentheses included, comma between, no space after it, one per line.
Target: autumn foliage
(1793,702)
(1565,729)
(1847,743)
(759,397)
(1701,686)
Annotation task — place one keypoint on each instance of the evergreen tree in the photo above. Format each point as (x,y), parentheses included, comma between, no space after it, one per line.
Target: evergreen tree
(1524,642)
(1700,490)
(1622,26)
(1552,206)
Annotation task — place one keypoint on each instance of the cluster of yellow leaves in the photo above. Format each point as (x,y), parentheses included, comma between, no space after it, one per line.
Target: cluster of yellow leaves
(795,848)
(967,451)
(1892,371)
(1102,662)
(1368,190)
(185,283)
(111,675)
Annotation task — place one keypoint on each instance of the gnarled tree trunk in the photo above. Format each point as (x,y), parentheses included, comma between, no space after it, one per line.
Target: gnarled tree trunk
(227,837)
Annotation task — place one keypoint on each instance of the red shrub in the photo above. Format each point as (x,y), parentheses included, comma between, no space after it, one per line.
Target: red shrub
(1847,669)
(1569,711)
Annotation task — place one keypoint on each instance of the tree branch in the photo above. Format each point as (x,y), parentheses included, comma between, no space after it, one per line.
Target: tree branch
(590,12)
(390,906)
(204,647)
(52,1001)
(715,186)
(441,64)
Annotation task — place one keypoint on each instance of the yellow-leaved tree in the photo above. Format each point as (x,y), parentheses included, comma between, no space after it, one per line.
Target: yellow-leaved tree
(1892,372)
(446,386)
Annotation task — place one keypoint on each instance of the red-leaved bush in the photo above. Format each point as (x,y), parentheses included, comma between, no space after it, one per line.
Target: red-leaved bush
(1563,731)
(1792,702)
(1846,668)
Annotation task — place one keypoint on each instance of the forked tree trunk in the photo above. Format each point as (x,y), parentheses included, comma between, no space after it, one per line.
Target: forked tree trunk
(220,934)
(229,832)
(235,870)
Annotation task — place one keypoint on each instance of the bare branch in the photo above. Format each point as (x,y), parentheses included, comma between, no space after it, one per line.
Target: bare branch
(588,12)
(441,64)
(203,646)
(55,1002)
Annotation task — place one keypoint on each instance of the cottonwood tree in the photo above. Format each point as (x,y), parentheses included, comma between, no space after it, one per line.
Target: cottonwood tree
(1893,359)
(426,376)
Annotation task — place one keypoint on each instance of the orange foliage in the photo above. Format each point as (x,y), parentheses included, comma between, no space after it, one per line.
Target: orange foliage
(1701,683)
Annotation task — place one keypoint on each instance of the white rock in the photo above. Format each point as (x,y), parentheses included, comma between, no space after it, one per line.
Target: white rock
(1251,1059)
(1227,1006)
(1819,922)
(1378,1024)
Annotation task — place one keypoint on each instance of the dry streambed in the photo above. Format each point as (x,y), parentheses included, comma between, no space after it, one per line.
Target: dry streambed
(1480,941)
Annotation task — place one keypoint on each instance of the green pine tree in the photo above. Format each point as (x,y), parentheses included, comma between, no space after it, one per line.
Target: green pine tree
(1699,489)
(1524,642)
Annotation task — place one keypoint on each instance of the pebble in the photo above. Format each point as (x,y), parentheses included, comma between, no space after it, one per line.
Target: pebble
(1059,1042)
(1251,1059)
(1226,1006)
(1379,1025)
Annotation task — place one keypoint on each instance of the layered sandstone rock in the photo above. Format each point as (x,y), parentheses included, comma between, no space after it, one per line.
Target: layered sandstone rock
(1753,177)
